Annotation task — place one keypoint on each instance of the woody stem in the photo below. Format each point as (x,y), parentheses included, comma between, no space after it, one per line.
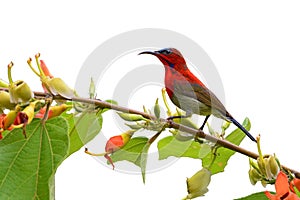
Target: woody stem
(170,124)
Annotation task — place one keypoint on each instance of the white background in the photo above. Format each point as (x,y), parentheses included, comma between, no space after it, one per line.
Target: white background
(254,45)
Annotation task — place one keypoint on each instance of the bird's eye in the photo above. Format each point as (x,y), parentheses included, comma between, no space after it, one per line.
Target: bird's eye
(166,51)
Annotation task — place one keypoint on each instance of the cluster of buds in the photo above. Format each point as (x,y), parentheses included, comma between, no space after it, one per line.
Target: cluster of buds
(156,124)
(17,118)
(265,169)
(114,144)
(17,104)
(139,122)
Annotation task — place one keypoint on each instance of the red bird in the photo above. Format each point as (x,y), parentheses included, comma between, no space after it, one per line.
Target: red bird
(187,92)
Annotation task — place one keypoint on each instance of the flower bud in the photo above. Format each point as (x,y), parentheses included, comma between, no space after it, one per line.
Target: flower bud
(29,111)
(254,176)
(131,117)
(54,111)
(115,143)
(262,166)
(20,92)
(197,184)
(92,89)
(9,119)
(5,101)
(135,126)
(272,167)
(45,69)
(25,116)
(157,109)
(225,125)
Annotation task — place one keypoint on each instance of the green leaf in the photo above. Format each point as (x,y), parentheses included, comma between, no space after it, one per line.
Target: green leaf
(136,152)
(222,155)
(28,164)
(131,151)
(170,146)
(83,128)
(255,196)
(143,160)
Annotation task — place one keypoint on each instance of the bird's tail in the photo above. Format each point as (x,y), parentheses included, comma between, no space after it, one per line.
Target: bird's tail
(242,128)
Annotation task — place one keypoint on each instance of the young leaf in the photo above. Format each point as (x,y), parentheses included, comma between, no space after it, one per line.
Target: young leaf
(170,146)
(222,155)
(131,151)
(28,164)
(83,128)
(143,160)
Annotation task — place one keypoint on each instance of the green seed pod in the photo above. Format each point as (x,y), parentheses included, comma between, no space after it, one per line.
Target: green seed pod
(20,92)
(131,117)
(5,101)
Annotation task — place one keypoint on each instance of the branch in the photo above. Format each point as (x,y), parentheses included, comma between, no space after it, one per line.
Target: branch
(171,124)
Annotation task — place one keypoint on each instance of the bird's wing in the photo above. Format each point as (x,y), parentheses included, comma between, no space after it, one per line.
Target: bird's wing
(202,94)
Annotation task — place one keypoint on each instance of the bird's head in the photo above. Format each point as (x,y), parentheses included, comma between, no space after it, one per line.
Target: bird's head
(170,57)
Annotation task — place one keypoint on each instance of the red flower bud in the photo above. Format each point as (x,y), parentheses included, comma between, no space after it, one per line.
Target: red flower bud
(113,144)
(45,69)
(54,111)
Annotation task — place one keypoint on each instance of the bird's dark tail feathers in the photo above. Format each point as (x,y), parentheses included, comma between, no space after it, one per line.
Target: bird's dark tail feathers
(242,128)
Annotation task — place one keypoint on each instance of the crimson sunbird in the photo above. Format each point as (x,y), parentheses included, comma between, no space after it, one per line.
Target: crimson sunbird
(187,92)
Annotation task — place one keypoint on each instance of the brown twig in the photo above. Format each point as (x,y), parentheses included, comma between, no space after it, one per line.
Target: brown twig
(171,124)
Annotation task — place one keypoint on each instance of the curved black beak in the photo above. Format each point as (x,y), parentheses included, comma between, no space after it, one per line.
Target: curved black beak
(158,55)
(148,52)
